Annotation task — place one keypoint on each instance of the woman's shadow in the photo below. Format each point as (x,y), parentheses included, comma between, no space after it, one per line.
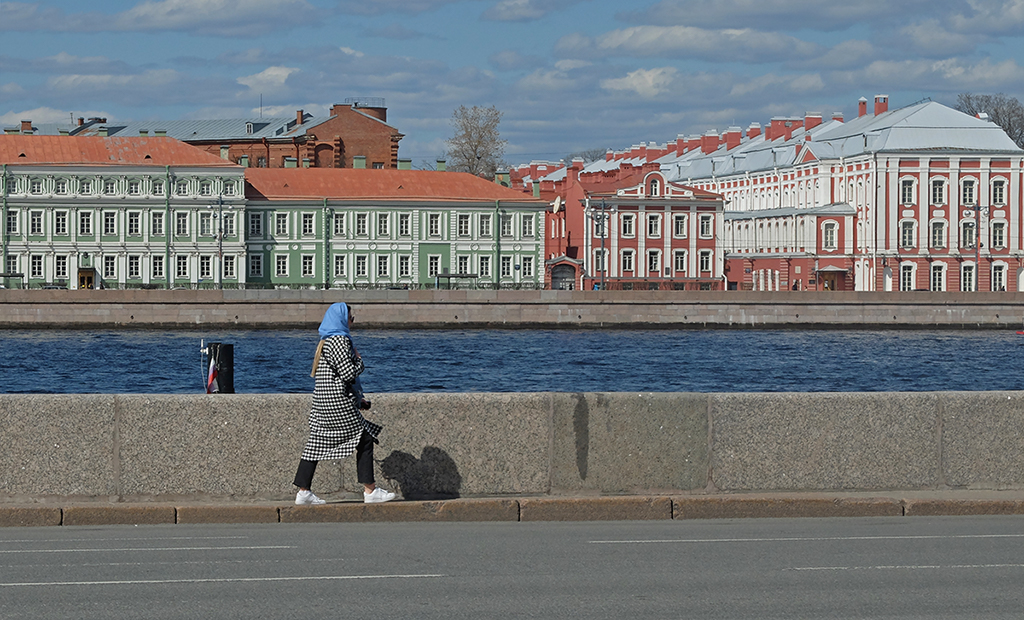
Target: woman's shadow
(432,476)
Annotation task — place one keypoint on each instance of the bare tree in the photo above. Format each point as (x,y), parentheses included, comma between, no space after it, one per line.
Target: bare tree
(1005,111)
(476,147)
(587,155)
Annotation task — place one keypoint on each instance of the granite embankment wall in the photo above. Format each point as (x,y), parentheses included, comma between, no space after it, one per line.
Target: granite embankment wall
(562,309)
(245,447)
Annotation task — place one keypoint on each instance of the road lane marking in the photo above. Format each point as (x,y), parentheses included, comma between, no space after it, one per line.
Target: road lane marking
(67,540)
(223,580)
(797,539)
(145,549)
(908,567)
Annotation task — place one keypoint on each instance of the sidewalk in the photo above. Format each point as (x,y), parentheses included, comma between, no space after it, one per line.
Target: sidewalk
(548,508)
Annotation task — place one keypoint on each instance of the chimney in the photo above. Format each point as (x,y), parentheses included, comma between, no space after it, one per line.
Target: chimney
(811,120)
(291,162)
(754,130)
(359,162)
(573,171)
(693,143)
(442,165)
(405,164)
(609,155)
(709,142)
(536,189)
(243,161)
(81,121)
(298,117)
(881,104)
(837,116)
(680,144)
(862,107)
(732,136)
(26,127)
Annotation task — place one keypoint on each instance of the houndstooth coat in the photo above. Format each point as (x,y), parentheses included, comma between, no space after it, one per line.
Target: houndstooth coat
(335,423)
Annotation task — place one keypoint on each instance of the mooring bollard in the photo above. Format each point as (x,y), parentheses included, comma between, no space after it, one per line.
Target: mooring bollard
(220,368)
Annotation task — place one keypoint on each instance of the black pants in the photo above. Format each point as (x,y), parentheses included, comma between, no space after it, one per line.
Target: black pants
(364,464)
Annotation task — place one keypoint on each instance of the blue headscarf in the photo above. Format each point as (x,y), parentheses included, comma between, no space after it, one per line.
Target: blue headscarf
(335,323)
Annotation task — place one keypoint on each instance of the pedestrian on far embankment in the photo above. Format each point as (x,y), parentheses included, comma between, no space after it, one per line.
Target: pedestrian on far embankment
(337,427)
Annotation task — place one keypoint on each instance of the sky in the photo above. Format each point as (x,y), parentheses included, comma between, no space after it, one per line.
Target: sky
(568,75)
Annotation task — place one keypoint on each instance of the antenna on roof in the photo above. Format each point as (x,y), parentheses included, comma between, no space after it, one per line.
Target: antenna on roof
(261,105)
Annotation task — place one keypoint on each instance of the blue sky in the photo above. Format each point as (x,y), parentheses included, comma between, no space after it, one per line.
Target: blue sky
(568,74)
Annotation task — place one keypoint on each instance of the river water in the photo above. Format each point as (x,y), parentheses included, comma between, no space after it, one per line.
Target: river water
(278,361)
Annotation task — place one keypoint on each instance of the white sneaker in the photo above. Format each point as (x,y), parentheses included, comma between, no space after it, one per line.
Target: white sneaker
(307,497)
(378,496)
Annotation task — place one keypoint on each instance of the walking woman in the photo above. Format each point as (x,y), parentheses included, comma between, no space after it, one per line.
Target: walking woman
(336,425)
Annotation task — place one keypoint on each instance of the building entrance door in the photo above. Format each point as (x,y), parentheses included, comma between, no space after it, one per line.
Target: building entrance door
(563,277)
(829,281)
(85,278)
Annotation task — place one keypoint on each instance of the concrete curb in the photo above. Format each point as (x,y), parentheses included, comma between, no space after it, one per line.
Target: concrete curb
(631,508)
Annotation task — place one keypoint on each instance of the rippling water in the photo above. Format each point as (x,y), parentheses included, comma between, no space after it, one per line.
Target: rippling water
(278,361)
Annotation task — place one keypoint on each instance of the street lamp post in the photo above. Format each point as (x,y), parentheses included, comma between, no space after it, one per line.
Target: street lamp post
(220,239)
(601,217)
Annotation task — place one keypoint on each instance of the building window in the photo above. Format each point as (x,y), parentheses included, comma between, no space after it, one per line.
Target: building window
(205,189)
(157,224)
(968,234)
(506,266)
(134,224)
(229,188)
(11,264)
(12,221)
(158,188)
(679,225)
(627,261)
(158,266)
(308,224)
(527,226)
(463,225)
(705,260)
(35,223)
(600,225)
(628,225)
(85,188)
(255,224)
(361,219)
(85,224)
(181,188)
(35,186)
(281,265)
(308,266)
(527,263)
(485,266)
(433,266)
(134,188)
(463,264)
(35,266)
(485,225)
(109,266)
(60,267)
(339,224)
(281,224)
(907,192)
(907,229)
(110,187)
(938,279)
(679,261)
(506,225)
(339,265)
(906,277)
(434,225)
(60,187)
(403,225)
(655,188)
(998,277)
(205,224)
(938,236)
(255,266)
(999,192)
(967,192)
(404,266)
(828,236)
(181,224)
(60,223)
(653,263)
(383,266)
(938,191)
(228,224)
(361,261)
(134,266)
(228,268)
(967,278)
(109,223)
(706,226)
(998,235)
(383,225)
(205,267)
(181,267)
(653,225)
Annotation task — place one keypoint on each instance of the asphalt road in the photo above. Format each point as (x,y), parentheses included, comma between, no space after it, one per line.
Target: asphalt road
(949,567)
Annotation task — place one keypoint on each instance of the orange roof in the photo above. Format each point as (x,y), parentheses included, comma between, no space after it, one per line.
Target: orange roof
(80,150)
(350,183)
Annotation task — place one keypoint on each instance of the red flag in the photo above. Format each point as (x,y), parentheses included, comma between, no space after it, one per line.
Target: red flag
(211,378)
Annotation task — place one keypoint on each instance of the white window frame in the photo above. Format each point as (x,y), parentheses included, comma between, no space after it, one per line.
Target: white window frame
(829,236)
(433,225)
(181,267)
(485,225)
(679,222)
(908,277)
(997,234)
(526,263)
(256,224)
(937,189)
(485,266)
(109,266)
(157,266)
(908,234)
(679,261)
(156,224)
(654,263)
(383,266)
(404,266)
(506,266)
(937,277)
(968,277)
(255,265)
(999,192)
(628,261)
(280,224)
(181,223)
(228,267)
(968,240)
(968,191)
(281,265)
(205,267)
(308,224)
(653,221)
(464,225)
(36,267)
(35,224)
(85,223)
(362,265)
(307,266)
(433,265)
(707,226)
(60,223)
(12,222)
(937,234)
(907,191)
(527,226)
(134,267)
(383,225)
(628,223)
(404,225)
(339,224)
(362,225)
(705,260)
(340,265)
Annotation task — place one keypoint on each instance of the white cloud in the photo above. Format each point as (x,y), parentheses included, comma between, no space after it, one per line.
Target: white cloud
(269,81)
(351,52)
(950,75)
(771,84)
(930,38)
(155,78)
(42,115)
(990,17)
(316,109)
(683,41)
(648,83)
(377,7)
